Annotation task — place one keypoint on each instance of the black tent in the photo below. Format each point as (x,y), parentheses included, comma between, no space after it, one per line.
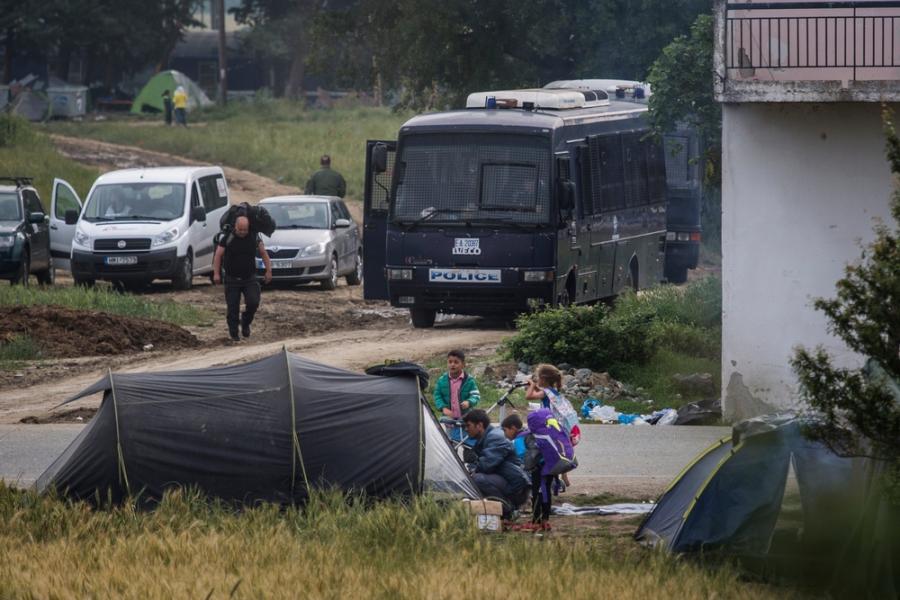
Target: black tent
(268,430)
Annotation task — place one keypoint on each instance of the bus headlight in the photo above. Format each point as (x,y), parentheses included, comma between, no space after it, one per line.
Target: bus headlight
(400,274)
(536,276)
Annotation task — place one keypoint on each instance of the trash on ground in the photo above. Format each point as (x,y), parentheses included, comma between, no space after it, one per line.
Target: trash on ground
(624,508)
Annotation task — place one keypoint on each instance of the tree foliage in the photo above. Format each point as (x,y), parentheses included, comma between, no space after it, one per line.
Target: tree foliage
(682,83)
(123,35)
(861,407)
(440,51)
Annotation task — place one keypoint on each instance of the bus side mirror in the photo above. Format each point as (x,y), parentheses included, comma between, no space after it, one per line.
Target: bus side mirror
(379,158)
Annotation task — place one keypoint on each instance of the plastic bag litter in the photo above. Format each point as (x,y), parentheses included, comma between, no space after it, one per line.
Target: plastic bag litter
(627,419)
(566,509)
(588,405)
(604,413)
(666,416)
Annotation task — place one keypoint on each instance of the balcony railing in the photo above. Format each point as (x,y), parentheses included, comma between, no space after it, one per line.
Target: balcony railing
(812,35)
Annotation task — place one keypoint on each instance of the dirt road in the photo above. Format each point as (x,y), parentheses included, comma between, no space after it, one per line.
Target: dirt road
(337,327)
(348,349)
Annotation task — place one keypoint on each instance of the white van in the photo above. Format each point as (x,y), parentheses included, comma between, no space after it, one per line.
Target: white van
(138,225)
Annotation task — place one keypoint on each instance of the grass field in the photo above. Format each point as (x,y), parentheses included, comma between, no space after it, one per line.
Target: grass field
(332,549)
(278,139)
(103,299)
(26,152)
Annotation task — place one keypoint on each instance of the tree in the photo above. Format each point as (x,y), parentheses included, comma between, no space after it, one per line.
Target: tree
(861,407)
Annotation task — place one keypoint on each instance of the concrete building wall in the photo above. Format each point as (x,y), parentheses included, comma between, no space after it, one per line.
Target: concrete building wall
(801,186)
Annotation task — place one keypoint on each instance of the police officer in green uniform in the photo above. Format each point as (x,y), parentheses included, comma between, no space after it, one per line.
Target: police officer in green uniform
(326,181)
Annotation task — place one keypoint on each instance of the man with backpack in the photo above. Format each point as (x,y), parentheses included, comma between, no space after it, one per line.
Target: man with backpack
(236,251)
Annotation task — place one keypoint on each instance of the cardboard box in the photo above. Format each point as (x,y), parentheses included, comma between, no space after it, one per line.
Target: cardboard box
(487,513)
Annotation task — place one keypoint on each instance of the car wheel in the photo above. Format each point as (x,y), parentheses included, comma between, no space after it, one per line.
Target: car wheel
(355,278)
(422,318)
(185,277)
(676,274)
(47,277)
(21,278)
(332,281)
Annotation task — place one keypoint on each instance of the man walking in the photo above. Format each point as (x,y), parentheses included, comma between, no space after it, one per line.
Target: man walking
(180,100)
(167,106)
(326,181)
(237,252)
(498,470)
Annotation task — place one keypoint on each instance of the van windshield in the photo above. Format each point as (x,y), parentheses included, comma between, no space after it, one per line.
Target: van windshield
(10,207)
(135,201)
(473,178)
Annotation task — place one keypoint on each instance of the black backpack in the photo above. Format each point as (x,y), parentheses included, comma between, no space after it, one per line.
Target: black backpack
(260,219)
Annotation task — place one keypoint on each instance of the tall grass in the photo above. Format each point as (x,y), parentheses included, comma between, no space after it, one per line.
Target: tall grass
(276,138)
(16,349)
(106,300)
(188,548)
(26,152)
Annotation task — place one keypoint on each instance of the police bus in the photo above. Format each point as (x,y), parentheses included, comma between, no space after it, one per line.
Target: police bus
(527,198)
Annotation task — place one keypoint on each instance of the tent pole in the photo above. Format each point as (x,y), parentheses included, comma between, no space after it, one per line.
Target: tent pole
(123,474)
(423,406)
(295,441)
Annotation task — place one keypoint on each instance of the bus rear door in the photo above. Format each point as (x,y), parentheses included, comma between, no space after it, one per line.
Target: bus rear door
(379,170)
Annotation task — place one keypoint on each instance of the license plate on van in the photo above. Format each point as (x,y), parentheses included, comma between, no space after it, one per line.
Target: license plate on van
(121,260)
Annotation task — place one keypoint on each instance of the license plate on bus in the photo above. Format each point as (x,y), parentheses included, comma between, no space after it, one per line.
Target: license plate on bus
(121,260)
(464,276)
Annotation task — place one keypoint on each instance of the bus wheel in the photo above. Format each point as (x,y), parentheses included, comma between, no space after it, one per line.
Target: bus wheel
(676,274)
(422,318)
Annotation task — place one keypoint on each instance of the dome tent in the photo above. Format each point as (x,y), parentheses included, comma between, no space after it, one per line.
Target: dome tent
(269,430)
(150,97)
(783,505)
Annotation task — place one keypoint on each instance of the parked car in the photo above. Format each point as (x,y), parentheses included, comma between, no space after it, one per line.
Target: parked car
(138,225)
(28,235)
(316,239)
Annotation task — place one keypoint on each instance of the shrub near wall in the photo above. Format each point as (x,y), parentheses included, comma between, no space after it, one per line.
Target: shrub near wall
(683,320)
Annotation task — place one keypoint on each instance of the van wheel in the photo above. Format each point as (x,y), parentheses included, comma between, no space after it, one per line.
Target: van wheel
(676,274)
(355,277)
(422,318)
(185,277)
(332,281)
(21,277)
(47,277)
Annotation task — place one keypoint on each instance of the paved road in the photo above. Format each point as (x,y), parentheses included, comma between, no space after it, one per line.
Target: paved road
(636,462)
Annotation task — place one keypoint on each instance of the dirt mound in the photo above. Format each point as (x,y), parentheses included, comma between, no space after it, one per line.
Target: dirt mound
(64,332)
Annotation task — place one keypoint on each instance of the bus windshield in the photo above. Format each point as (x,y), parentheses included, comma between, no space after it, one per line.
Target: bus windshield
(473,178)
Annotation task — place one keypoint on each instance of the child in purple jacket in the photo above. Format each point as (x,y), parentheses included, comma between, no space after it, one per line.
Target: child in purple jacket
(558,456)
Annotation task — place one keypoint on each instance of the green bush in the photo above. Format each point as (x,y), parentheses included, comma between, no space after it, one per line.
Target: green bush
(18,347)
(592,337)
(683,320)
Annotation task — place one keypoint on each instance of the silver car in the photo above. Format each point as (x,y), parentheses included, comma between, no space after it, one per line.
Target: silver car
(316,240)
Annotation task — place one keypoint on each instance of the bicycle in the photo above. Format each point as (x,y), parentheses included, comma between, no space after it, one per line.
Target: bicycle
(455,429)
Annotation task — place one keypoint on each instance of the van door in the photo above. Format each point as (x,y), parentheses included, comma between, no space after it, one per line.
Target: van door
(375,214)
(62,199)
(214,196)
(201,240)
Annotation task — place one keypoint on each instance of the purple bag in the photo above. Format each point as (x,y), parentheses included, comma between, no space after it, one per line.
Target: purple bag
(553,442)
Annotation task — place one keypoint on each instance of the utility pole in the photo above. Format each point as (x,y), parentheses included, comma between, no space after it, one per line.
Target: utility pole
(223,59)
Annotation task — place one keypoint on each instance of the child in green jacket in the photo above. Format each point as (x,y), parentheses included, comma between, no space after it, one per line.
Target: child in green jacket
(456,392)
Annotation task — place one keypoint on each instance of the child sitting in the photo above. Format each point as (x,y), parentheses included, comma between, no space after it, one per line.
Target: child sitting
(528,452)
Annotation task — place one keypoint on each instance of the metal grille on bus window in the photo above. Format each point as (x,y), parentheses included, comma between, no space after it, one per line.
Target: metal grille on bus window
(656,171)
(635,164)
(584,173)
(378,194)
(509,188)
(607,172)
(678,170)
(563,166)
(464,177)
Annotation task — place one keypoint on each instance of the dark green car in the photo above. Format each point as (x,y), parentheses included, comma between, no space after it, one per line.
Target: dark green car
(24,233)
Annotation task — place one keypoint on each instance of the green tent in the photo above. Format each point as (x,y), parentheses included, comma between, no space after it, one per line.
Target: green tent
(150,97)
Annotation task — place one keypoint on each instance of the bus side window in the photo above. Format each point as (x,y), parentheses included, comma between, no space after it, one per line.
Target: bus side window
(564,178)
(586,182)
